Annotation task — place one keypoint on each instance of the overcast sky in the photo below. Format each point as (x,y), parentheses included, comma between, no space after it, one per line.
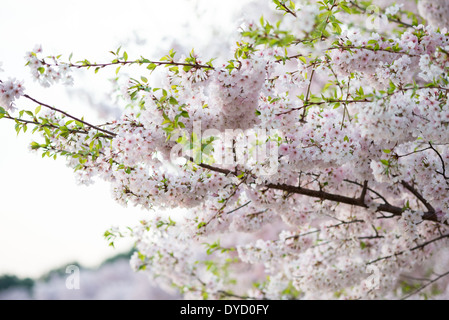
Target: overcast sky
(46,219)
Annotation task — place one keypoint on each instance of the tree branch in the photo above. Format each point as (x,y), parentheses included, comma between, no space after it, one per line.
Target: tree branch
(43,125)
(412,249)
(109,133)
(442,162)
(363,10)
(385,207)
(287,9)
(418,195)
(397,211)
(123,63)
(425,286)
(365,188)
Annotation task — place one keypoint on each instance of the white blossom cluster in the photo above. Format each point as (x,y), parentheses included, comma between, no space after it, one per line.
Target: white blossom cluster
(10,90)
(436,12)
(48,70)
(380,64)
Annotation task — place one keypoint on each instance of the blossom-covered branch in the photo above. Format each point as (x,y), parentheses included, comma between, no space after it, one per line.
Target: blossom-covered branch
(315,155)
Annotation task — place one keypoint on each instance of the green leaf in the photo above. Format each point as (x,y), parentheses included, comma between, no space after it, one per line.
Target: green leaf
(35,145)
(47,131)
(337,28)
(345,8)
(202,224)
(185,114)
(303,59)
(173,101)
(151,66)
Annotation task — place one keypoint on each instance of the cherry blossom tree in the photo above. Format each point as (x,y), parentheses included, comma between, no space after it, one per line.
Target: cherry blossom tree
(310,164)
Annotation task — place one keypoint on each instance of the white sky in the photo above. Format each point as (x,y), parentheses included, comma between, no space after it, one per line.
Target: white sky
(46,219)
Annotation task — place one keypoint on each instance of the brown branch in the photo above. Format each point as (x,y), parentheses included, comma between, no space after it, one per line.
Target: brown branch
(397,211)
(363,10)
(363,194)
(236,209)
(211,168)
(410,153)
(372,49)
(306,101)
(442,162)
(109,133)
(287,9)
(31,122)
(232,295)
(288,58)
(385,207)
(342,223)
(371,237)
(369,189)
(421,246)
(426,285)
(43,125)
(308,104)
(158,63)
(403,90)
(418,195)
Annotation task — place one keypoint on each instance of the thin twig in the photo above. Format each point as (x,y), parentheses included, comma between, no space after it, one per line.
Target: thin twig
(417,195)
(111,134)
(425,286)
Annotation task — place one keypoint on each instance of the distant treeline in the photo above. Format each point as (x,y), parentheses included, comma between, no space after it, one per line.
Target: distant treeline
(8,282)
(11,281)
